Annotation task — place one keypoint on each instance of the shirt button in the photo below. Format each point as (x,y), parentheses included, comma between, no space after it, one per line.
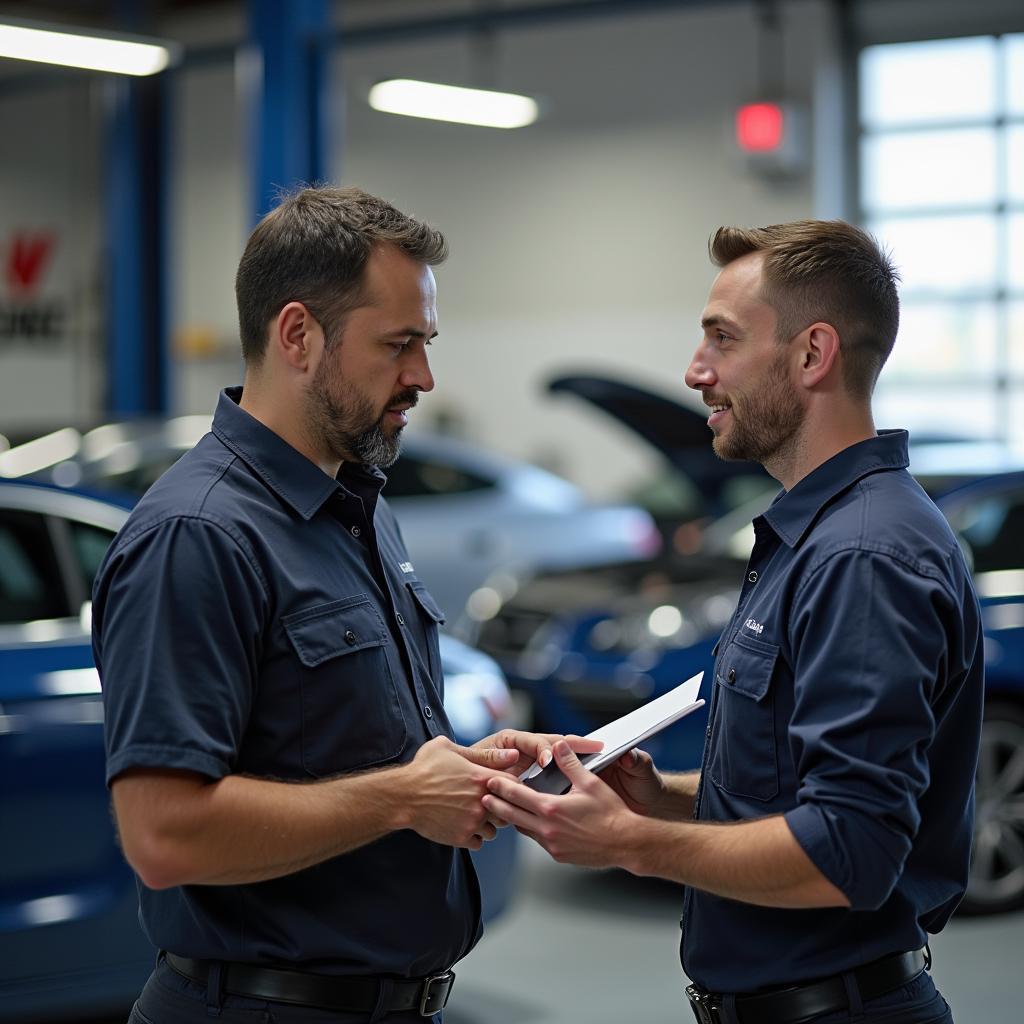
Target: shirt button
(707,732)
(350,637)
(356,531)
(752,576)
(427,711)
(732,675)
(401,619)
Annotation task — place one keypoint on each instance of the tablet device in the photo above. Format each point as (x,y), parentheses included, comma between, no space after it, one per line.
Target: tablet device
(623,734)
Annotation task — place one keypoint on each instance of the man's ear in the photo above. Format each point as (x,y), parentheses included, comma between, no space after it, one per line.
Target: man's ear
(297,336)
(819,353)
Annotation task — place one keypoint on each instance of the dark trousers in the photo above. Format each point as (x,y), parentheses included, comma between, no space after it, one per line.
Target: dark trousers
(916,1002)
(169,998)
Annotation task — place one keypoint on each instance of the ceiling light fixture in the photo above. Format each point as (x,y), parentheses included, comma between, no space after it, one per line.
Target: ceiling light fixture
(437,102)
(80,48)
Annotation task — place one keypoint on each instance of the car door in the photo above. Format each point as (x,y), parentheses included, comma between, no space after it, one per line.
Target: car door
(68,927)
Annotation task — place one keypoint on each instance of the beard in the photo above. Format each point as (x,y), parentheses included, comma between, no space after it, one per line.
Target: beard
(766,423)
(343,420)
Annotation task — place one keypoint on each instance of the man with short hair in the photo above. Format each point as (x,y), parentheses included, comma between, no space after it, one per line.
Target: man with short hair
(282,769)
(835,800)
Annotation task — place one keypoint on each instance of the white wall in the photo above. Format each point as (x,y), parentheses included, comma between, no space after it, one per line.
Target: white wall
(49,183)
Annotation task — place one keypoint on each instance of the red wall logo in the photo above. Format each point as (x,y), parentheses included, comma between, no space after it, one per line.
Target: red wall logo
(25,318)
(26,260)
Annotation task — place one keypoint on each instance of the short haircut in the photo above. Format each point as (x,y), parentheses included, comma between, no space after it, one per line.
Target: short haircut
(313,248)
(828,271)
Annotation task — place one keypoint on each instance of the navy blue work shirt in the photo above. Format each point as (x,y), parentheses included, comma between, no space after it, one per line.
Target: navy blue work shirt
(255,616)
(847,697)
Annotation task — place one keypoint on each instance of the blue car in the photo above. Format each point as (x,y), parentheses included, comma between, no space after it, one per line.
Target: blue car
(590,645)
(70,941)
(989,514)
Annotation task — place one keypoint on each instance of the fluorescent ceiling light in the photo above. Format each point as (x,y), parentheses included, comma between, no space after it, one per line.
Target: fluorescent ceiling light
(80,48)
(40,453)
(453,103)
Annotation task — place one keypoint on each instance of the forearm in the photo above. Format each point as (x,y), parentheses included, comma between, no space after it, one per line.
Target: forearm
(240,829)
(679,796)
(753,861)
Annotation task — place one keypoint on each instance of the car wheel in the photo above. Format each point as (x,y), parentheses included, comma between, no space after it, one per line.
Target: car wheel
(996,881)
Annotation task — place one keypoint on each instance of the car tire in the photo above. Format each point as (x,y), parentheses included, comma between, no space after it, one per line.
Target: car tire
(996,883)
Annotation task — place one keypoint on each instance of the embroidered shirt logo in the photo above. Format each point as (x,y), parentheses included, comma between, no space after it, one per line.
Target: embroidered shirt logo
(754,626)
(406,567)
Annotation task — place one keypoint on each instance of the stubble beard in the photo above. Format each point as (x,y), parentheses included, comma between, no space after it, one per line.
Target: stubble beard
(345,423)
(767,424)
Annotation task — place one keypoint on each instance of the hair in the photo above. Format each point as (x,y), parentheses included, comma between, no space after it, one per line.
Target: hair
(313,248)
(828,271)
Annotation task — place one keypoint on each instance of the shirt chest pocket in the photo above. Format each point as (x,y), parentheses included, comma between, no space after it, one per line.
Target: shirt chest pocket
(745,759)
(351,714)
(430,619)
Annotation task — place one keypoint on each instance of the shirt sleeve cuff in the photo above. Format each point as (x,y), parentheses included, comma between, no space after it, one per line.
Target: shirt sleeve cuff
(152,756)
(810,829)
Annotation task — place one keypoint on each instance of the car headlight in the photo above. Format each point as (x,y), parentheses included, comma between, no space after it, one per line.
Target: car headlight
(664,625)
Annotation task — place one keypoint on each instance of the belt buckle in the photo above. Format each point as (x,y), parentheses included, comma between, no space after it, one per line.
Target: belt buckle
(705,1006)
(434,999)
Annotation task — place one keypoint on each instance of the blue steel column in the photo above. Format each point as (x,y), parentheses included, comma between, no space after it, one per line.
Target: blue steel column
(288,106)
(137,333)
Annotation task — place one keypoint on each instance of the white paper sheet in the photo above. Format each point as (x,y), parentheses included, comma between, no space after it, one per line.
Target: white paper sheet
(623,734)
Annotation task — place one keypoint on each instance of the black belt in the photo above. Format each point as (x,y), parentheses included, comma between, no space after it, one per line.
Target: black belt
(357,994)
(801,1002)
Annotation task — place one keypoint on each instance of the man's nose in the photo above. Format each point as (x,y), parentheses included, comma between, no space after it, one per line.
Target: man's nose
(416,373)
(699,373)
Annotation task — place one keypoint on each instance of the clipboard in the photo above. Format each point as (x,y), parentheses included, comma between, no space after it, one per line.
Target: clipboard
(623,734)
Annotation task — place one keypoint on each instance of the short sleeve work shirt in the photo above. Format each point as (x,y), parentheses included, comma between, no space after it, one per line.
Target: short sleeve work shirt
(255,616)
(847,697)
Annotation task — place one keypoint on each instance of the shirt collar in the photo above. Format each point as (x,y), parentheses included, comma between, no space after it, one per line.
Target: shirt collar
(791,514)
(287,472)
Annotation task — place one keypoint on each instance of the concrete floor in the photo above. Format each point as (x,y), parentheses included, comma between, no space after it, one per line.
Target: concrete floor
(601,948)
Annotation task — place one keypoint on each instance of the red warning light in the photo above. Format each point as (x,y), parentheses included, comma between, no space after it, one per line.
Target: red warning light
(759,127)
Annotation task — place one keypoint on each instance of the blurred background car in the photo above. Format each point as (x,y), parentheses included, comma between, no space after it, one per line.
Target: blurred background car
(70,941)
(465,513)
(988,514)
(586,646)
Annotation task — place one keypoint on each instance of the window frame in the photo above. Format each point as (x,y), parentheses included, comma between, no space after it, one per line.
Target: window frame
(1004,382)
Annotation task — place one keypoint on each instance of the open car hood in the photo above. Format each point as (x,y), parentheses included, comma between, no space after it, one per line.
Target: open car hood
(679,433)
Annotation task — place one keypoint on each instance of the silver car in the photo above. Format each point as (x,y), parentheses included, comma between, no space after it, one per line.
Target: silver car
(468,515)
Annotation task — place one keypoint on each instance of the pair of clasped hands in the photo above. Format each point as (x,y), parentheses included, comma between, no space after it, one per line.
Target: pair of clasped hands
(463,795)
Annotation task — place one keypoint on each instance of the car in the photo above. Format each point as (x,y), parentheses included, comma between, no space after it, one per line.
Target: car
(466,513)
(695,486)
(70,941)
(588,645)
(988,514)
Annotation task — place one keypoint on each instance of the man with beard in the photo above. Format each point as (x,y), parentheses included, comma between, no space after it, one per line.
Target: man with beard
(834,803)
(283,775)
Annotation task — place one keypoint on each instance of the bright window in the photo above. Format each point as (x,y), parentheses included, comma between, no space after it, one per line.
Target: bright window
(942,187)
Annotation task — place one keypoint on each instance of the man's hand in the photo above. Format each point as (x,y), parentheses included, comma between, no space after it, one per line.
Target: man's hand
(757,861)
(533,747)
(445,785)
(635,779)
(585,826)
